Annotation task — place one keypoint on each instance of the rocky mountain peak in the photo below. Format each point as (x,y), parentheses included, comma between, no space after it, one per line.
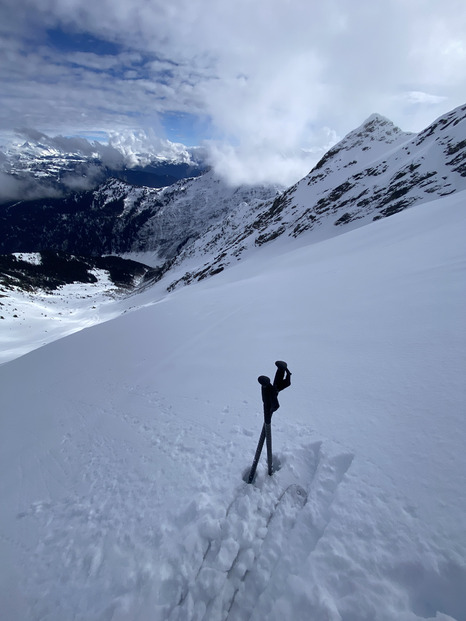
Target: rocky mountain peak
(377,121)
(371,139)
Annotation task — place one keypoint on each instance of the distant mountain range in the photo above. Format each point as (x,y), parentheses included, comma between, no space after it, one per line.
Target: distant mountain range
(200,225)
(119,218)
(45,167)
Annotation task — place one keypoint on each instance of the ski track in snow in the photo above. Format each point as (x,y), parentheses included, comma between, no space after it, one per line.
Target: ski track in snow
(105,556)
(255,520)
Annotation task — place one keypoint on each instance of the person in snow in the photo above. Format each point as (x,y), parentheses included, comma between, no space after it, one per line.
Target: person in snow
(270,402)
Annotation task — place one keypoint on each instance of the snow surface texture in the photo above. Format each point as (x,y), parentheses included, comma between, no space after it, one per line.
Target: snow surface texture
(122,447)
(32,319)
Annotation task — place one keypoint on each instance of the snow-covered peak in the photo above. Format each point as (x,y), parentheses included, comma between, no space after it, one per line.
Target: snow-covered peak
(379,167)
(370,140)
(202,224)
(378,127)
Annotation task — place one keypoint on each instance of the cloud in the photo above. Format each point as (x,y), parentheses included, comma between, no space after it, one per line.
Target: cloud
(245,167)
(140,148)
(418,97)
(107,154)
(251,162)
(126,148)
(80,163)
(25,188)
(269,74)
(87,179)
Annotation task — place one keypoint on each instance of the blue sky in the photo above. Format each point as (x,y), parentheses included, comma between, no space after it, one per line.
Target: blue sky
(268,86)
(68,41)
(189,129)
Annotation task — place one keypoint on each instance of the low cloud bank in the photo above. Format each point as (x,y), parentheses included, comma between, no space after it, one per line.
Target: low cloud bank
(78,164)
(25,188)
(240,166)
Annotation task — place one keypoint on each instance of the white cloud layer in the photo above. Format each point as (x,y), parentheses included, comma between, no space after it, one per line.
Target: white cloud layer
(140,148)
(270,75)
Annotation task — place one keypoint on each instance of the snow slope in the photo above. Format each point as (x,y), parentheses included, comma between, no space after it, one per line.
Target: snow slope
(122,447)
(44,297)
(30,320)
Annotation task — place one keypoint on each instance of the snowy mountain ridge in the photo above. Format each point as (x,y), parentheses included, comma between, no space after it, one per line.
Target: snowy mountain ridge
(43,155)
(121,218)
(139,223)
(372,136)
(181,212)
(375,171)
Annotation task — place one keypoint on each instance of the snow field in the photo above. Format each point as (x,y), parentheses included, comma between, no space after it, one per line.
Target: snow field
(123,446)
(29,321)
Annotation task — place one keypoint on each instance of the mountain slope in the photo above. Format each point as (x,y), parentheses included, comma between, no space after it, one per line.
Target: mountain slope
(122,447)
(120,218)
(375,171)
(199,226)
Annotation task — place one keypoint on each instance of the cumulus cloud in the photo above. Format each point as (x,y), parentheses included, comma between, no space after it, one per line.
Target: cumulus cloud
(270,75)
(126,148)
(140,148)
(107,154)
(80,164)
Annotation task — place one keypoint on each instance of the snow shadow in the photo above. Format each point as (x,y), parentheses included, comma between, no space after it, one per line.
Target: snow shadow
(435,590)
